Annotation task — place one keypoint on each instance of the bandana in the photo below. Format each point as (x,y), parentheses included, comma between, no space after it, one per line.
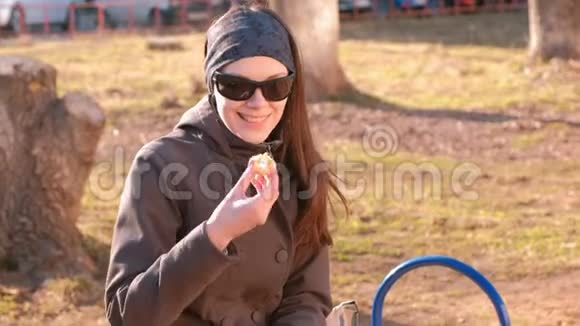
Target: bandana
(242,34)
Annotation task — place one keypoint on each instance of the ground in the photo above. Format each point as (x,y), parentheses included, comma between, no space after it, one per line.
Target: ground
(467,149)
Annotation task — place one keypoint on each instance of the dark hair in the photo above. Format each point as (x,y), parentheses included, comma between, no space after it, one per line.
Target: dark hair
(298,153)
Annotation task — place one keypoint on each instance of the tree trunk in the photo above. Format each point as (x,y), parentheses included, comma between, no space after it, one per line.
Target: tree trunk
(554,29)
(47,148)
(316,27)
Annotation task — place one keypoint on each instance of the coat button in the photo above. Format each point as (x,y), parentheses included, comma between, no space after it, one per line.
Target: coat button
(282,256)
(258,317)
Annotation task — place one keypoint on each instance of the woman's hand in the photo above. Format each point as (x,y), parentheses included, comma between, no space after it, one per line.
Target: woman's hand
(237,213)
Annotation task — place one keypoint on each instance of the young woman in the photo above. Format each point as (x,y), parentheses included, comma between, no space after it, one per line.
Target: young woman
(202,236)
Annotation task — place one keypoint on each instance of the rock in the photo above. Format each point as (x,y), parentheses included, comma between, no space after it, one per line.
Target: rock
(164,44)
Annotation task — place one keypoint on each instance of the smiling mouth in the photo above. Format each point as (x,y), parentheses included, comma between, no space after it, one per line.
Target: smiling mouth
(253,119)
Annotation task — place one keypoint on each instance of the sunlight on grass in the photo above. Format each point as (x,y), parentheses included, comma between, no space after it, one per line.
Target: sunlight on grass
(494,225)
(120,73)
(530,139)
(461,63)
(8,305)
(431,64)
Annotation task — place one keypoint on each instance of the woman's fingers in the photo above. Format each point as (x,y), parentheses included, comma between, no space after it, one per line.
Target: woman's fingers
(270,190)
(258,183)
(244,182)
(266,184)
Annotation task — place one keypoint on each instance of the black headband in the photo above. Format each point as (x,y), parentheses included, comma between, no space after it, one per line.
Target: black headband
(242,34)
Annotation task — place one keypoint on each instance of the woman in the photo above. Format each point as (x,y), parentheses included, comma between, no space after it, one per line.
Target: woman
(202,238)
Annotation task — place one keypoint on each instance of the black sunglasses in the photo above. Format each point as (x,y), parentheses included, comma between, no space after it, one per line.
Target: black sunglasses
(241,89)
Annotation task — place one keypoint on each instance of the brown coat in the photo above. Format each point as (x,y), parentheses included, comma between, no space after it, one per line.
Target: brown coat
(163,268)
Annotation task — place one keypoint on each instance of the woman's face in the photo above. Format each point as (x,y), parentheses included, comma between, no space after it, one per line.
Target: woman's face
(254,119)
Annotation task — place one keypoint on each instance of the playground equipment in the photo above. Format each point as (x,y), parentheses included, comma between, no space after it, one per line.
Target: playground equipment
(452,263)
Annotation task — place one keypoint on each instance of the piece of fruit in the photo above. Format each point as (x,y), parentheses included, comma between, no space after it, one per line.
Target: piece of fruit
(263,164)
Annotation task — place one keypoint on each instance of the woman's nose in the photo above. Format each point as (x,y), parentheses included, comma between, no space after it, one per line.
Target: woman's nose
(257,99)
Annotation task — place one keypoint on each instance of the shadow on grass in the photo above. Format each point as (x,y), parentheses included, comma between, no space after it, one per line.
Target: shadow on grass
(370,101)
(507,30)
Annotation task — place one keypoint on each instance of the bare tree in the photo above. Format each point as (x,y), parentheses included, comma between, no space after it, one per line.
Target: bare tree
(554,28)
(316,26)
(47,148)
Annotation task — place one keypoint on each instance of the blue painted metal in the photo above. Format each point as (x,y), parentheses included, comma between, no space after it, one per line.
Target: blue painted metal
(435,260)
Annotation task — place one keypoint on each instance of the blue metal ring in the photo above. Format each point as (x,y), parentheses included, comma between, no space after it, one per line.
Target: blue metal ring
(452,263)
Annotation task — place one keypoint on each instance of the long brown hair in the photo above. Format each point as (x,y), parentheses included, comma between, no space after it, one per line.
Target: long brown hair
(298,153)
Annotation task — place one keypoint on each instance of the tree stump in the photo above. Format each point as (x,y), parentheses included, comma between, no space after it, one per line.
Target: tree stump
(47,147)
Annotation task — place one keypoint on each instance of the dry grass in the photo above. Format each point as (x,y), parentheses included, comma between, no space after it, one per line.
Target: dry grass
(518,217)
(119,72)
(462,63)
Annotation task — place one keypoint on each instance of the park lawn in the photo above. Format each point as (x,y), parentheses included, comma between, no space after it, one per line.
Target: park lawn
(524,222)
(461,63)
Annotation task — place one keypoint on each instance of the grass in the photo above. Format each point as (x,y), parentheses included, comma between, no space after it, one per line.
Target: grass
(502,223)
(70,289)
(119,72)
(507,30)
(530,139)
(460,63)
(8,304)
(479,63)
(512,231)
(509,233)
